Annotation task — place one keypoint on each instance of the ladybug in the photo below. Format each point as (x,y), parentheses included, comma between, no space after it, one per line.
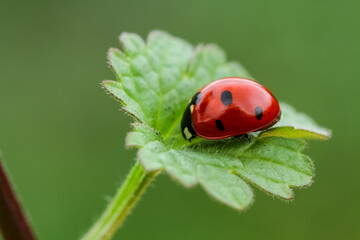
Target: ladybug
(229,107)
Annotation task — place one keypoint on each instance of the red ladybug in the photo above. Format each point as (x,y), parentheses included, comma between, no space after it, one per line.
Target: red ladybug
(229,107)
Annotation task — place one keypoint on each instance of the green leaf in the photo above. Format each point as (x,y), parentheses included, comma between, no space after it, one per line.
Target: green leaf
(294,124)
(156,79)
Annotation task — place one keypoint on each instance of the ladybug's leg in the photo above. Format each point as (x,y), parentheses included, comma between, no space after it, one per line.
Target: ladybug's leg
(242,136)
(238,136)
(247,137)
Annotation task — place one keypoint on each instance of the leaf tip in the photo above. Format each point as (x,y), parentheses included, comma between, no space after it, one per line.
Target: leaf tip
(123,36)
(109,54)
(295,133)
(156,32)
(106,84)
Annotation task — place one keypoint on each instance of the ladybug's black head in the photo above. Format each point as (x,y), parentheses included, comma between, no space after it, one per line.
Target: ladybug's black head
(187,128)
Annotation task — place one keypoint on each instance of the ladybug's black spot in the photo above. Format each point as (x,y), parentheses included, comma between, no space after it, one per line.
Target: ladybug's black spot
(226,98)
(219,125)
(258,112)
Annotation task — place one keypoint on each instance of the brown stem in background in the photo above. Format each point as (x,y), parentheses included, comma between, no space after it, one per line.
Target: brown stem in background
(13,223)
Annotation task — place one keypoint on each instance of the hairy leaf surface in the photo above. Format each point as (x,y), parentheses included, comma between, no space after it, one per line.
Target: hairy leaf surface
(155,80)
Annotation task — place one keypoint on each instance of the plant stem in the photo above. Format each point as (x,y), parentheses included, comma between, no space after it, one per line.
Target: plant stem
(121,205)
(13,223)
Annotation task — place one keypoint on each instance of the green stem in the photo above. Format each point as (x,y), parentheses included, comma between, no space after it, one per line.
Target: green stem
(121,205)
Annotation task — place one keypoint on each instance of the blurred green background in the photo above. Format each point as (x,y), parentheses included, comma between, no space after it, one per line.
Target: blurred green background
(62,137)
